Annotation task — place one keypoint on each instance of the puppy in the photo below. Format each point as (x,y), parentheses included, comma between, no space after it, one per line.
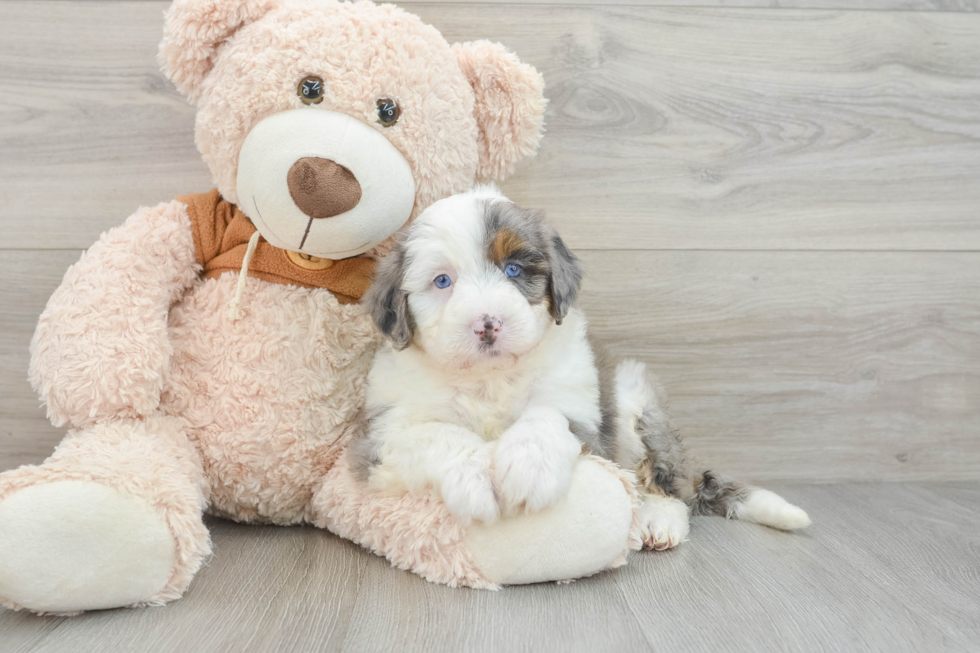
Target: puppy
(490,386)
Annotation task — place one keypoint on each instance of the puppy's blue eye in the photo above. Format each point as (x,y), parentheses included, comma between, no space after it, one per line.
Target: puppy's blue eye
(443,281)
(512,270)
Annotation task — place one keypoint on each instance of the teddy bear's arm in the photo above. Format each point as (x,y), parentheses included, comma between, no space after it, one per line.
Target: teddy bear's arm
(101,344)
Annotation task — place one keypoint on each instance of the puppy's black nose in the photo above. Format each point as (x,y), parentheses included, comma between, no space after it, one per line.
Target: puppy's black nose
(488,328)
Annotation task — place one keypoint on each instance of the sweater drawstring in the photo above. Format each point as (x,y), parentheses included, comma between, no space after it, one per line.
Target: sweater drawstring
(235,308)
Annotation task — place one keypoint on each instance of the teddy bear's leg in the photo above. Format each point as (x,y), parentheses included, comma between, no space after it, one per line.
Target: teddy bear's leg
(113,518)
(591,529)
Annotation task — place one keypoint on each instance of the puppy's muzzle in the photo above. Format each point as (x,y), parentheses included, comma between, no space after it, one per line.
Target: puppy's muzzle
(322,188)
(487,328)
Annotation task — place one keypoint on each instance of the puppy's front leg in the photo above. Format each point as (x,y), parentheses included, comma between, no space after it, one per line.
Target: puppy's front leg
(533,460)
(449,458)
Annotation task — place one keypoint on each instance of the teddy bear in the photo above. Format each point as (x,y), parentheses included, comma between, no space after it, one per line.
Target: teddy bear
(209,355)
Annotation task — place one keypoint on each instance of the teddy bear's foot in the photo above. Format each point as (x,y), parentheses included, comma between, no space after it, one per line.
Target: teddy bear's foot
(587,531)
(113,518)
(78,545)
(592,529)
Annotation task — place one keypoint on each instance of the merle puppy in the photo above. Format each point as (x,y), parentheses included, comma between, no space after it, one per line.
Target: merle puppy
(490,385)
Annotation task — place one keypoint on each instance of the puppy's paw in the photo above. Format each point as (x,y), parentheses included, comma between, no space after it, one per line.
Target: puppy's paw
(468,492)
(664,522)
(529,472)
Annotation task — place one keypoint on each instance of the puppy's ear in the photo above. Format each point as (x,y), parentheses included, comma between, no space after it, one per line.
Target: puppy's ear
(388,303)
(565,279)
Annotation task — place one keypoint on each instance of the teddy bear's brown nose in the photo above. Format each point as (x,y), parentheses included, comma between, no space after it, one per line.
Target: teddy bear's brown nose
(322,188)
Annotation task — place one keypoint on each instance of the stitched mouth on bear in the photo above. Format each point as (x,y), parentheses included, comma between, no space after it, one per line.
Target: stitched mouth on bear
(307,233)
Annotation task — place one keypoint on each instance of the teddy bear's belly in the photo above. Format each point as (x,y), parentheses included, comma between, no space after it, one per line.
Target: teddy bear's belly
(269,399)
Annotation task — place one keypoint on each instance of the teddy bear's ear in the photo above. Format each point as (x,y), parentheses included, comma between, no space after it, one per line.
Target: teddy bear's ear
(509,105)
(193,31)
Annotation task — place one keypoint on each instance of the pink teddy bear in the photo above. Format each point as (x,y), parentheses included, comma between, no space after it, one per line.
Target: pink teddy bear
(210,356)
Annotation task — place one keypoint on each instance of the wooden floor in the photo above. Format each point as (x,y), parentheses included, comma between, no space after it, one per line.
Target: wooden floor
(779,205)
(884,568)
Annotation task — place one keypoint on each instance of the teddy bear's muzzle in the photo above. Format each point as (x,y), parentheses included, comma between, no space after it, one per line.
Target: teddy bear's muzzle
(322,188)
(298,167)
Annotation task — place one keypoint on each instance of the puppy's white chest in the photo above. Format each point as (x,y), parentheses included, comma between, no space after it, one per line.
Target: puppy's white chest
(488,409)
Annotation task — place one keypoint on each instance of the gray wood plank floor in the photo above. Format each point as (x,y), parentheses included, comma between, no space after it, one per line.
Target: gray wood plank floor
(668,128)
(675,136)
(884,568)
(810,366)
(778,204)
(853,5)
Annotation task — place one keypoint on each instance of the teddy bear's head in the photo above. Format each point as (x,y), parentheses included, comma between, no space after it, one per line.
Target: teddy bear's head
(332,124)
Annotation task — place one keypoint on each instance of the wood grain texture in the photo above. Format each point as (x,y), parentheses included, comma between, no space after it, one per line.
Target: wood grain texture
(884,568)
(817,366)
(669,128)
(806,364)
(676,127)
(26,435)
(853,5)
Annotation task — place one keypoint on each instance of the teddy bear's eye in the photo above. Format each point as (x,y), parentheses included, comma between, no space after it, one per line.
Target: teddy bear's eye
(310,90)
(388,112)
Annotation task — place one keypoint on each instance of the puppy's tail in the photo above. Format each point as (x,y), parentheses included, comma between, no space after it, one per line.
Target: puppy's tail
(667,469)
(716,496)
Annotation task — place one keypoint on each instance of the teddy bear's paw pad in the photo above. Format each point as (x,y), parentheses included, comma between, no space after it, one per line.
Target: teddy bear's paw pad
(77,545)
(664,522)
